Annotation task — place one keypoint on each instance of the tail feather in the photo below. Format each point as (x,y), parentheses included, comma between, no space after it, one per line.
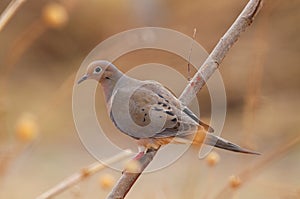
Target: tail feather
(219,142)
(202,136)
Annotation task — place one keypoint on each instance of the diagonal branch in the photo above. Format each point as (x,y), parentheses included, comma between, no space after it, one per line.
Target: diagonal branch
(11,9)
(128,179)
(244,20)
(215,58)
(247,174)
(81,175)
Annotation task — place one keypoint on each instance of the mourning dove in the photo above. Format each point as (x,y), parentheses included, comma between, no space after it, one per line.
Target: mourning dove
(150,113)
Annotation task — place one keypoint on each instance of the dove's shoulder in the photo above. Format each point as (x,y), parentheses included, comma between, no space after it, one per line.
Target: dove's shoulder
(162,92)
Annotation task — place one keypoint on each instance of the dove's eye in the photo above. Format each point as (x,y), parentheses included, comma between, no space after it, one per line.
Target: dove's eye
(97,70)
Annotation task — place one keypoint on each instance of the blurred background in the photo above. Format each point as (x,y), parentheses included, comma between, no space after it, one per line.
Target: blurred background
(44,43)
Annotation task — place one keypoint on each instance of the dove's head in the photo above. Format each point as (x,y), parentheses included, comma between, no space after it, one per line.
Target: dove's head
(100,70)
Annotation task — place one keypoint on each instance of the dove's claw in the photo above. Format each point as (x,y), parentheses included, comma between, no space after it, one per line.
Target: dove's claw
(139,155)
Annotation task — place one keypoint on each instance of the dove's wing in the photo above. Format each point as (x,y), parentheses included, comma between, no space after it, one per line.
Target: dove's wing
(145,102)
(152,97)
(187,111)
(166,93)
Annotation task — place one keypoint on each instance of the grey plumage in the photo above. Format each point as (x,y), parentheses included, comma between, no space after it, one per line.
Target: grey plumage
(150,113)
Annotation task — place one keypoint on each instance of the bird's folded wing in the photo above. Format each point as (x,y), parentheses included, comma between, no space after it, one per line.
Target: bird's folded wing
(154,99)
(157,87)
(187,111)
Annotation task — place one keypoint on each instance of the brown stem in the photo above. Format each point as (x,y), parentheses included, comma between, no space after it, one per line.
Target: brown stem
(11,9)
(247,174)
(81,175)
(128,179)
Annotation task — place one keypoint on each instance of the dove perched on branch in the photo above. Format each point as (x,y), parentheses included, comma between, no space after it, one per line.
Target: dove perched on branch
(150,113)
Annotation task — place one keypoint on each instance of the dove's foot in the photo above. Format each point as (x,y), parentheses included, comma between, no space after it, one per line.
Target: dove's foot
(139,155)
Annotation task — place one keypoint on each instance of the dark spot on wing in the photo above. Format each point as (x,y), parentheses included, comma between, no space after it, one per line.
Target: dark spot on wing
(165,105)
(159,103)
(144,119)
(169,107)
(170,113)
(177,126)
(174,120)
(167,101)
(143,109)
(159,95)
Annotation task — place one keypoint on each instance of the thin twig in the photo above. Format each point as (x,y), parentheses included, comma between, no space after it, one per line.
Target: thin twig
(244,20)
(82,174)
(11,9)
(250,172)
(213,61)
(189,58)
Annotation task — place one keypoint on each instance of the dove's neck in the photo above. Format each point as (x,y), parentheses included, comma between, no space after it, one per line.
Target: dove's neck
(110,81)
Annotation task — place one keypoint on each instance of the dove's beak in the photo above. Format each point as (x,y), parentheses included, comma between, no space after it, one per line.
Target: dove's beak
(82,79)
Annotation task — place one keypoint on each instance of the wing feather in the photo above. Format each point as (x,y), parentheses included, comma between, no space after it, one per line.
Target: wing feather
(152,96)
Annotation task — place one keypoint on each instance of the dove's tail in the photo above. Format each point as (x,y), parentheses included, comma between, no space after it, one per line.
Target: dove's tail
(213,140)
(210,139)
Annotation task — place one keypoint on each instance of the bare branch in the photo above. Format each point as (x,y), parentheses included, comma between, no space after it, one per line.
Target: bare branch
(204,73)
(9,12)
(213,61)
(127,180)
(81,175)
(247,174)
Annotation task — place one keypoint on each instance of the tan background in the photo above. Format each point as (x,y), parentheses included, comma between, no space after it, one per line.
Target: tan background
(39,59)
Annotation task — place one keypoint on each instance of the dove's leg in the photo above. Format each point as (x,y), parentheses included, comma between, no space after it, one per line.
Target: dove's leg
(141,152)
(139,155)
